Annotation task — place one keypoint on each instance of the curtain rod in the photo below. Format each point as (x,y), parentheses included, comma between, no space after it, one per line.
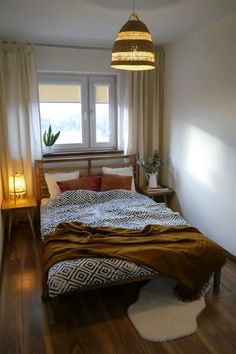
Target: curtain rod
(70,46)
(158,47)
(5,41)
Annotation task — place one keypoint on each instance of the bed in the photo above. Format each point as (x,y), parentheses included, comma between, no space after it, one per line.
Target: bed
(114,209)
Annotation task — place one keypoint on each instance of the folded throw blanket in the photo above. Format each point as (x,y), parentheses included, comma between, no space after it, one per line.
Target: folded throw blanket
(178,252)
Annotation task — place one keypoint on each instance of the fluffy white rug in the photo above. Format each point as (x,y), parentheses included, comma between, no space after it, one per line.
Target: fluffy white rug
(159,316)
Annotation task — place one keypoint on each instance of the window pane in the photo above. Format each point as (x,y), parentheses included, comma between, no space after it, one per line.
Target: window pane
(102,114)
(81,107)
(65,117)
(60,107)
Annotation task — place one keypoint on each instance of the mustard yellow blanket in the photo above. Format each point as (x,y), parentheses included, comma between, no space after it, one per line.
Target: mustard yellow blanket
(178,252)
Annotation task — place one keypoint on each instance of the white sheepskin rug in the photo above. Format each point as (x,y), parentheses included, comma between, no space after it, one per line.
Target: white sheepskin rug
(158,315)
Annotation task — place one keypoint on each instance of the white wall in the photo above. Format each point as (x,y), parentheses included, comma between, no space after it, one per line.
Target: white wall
(59,59)
(199,128)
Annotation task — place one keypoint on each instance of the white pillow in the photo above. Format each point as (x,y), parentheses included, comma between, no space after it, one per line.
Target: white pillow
(44,202)
(122,171)
(53,178)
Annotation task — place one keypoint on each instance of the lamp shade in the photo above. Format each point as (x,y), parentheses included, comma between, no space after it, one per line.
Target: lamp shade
(133,47)
(17,185)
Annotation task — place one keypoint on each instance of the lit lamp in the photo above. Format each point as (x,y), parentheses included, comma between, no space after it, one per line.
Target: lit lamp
(133,48)
(17,187)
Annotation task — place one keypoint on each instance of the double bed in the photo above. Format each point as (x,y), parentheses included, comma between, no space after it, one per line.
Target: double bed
(95,211)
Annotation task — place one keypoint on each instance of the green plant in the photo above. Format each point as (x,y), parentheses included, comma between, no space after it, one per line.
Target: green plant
(49,138)
(152,164)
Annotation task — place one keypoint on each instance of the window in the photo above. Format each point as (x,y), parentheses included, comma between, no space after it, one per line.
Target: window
(82,108)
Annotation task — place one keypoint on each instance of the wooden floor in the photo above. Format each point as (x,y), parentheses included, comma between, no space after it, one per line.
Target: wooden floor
(95,322)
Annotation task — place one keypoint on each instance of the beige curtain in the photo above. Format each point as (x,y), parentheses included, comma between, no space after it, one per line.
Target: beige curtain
(20,133)
(145,105)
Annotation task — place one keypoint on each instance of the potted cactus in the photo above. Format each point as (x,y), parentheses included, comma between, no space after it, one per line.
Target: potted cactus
(49,140)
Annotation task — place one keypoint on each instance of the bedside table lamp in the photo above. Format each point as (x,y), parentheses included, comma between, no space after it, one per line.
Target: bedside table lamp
(17,187)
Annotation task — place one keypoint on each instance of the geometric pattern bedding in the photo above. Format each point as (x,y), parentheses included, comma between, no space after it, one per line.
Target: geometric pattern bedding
(73,275)
(116,208)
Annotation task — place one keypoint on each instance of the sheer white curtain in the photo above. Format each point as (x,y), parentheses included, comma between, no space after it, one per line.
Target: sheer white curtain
(141,102)
(20,133)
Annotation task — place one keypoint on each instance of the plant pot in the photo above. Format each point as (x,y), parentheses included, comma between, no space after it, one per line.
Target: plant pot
(48,150)
(152,180)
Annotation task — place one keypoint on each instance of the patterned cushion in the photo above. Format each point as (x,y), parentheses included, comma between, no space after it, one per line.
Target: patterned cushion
(110,182)
(89,183)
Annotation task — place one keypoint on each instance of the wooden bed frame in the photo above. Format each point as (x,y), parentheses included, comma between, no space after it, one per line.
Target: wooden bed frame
(91,166)
(87,166)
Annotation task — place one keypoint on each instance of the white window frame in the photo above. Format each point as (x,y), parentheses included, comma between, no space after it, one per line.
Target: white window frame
(88,83)
(100,81)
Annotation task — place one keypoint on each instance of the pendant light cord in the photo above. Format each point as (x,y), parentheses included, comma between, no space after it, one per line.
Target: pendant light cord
(134,9)
(134,13)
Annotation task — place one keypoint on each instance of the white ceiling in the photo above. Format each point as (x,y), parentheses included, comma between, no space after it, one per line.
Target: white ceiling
(96,22)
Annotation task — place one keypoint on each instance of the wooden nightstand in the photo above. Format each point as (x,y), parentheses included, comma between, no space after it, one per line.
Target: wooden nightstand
(162,192)
(9,207)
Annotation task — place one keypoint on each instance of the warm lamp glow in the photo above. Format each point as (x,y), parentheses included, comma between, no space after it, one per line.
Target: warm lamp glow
(17,187)
(133,48)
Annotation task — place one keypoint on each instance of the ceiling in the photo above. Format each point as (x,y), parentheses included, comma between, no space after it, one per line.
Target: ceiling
(95,23)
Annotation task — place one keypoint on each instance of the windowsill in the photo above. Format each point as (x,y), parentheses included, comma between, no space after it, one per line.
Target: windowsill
(82,153)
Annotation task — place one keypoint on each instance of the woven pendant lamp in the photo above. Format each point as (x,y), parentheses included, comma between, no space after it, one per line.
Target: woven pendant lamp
(133,48)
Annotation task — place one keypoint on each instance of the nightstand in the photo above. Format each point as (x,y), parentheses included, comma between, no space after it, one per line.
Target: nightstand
(155,193)
(10,207)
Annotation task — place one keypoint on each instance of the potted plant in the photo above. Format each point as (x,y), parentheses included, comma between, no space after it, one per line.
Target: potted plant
(49,139)
(151,166)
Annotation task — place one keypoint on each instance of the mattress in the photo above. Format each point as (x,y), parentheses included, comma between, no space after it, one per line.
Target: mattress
(116,208)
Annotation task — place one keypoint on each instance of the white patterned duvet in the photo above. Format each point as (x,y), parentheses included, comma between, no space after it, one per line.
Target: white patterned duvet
(116,208)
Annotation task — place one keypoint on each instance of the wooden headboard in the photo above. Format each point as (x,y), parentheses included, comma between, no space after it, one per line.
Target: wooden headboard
(88,166)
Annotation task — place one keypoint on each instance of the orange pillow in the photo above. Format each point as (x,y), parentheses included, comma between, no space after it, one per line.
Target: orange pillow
(115,182)
(91,183)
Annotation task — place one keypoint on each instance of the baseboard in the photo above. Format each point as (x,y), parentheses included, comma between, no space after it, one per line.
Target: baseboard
(229,255)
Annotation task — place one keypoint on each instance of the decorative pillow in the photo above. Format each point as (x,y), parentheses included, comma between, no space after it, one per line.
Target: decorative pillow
(91,183)
(110,182)
(122,171)
(52,178)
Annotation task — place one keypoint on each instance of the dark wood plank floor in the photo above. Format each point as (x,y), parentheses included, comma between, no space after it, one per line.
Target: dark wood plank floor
(95,322)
